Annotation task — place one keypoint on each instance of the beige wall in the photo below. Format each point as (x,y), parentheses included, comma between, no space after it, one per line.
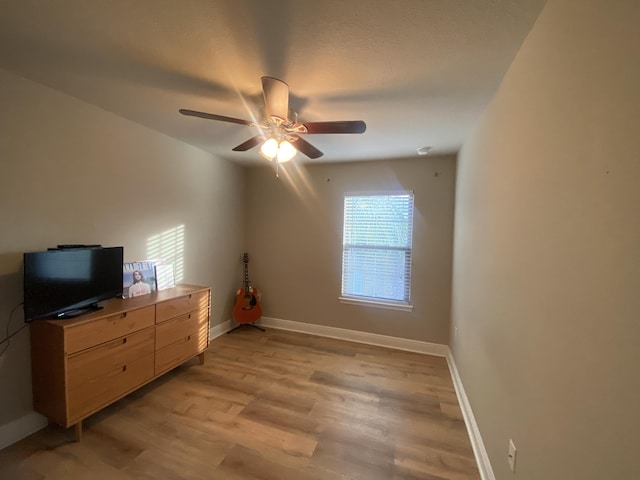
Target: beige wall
(72,173)
(546,296)
(295,243)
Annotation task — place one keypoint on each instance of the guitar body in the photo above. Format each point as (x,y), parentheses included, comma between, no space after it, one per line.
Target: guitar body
(247,308)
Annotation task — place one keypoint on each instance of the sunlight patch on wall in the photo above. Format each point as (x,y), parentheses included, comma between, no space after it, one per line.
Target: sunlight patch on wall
(169,246)
(295,176)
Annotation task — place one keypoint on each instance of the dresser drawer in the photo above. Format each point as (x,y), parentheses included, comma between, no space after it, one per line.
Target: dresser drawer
(180,306)
(86,335)
(89,365)
(107,387)
(183,348)
(177,328)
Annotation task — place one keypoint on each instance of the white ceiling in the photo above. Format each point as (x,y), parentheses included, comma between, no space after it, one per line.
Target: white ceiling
(418,72)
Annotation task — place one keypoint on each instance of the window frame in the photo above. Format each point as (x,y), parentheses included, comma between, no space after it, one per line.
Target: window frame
(379,302)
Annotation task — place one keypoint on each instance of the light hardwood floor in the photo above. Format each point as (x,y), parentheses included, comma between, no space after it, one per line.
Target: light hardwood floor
(275,405)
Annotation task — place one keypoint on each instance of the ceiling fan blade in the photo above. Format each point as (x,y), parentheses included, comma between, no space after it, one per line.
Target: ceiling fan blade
(355,126)
(211,116)
(276,97)
(252,142)
(305,147)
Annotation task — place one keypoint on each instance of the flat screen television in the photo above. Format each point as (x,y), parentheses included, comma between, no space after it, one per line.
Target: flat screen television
(67,282)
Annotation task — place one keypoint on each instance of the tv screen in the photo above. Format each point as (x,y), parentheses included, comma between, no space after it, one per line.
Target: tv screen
(65,282)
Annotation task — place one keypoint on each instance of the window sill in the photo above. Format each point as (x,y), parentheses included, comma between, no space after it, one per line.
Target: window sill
(403,307)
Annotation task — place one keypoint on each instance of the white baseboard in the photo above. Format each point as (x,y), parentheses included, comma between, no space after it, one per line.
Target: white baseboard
(359,337)
(479,450)
(20,428)
(219,329)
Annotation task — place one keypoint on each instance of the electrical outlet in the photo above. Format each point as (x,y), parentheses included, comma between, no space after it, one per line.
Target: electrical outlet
(512,456)
(455,331)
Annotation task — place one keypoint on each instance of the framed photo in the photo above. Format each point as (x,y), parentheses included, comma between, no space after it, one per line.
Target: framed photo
(164,276)
(138,278)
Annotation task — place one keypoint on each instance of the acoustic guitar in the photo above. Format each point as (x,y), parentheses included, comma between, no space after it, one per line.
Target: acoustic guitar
(247,308)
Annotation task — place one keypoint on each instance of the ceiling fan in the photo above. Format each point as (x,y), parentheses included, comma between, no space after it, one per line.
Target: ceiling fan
(280,130)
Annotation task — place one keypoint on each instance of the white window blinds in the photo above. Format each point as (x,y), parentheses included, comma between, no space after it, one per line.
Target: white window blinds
(376,257)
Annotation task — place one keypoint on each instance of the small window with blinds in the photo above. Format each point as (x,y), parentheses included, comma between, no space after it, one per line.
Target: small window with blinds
(376,255)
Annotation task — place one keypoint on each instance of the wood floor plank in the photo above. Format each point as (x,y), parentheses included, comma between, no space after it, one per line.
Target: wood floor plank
(243,463)
(347,451)
(288,420)
(266,406)
(419,460)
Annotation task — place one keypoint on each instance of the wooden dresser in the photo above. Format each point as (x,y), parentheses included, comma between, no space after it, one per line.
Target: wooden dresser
(81,365)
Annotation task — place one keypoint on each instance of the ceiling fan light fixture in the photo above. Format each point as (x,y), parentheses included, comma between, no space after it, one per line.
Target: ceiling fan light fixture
(279,126)
(269,149)
(286,152)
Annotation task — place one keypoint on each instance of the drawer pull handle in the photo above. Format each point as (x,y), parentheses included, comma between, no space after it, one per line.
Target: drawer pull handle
(189,315)
(123,315)
(117,371)
(117,343)
(189,338)
(189,296)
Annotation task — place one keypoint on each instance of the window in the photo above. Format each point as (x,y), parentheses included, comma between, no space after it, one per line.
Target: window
(376,255)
